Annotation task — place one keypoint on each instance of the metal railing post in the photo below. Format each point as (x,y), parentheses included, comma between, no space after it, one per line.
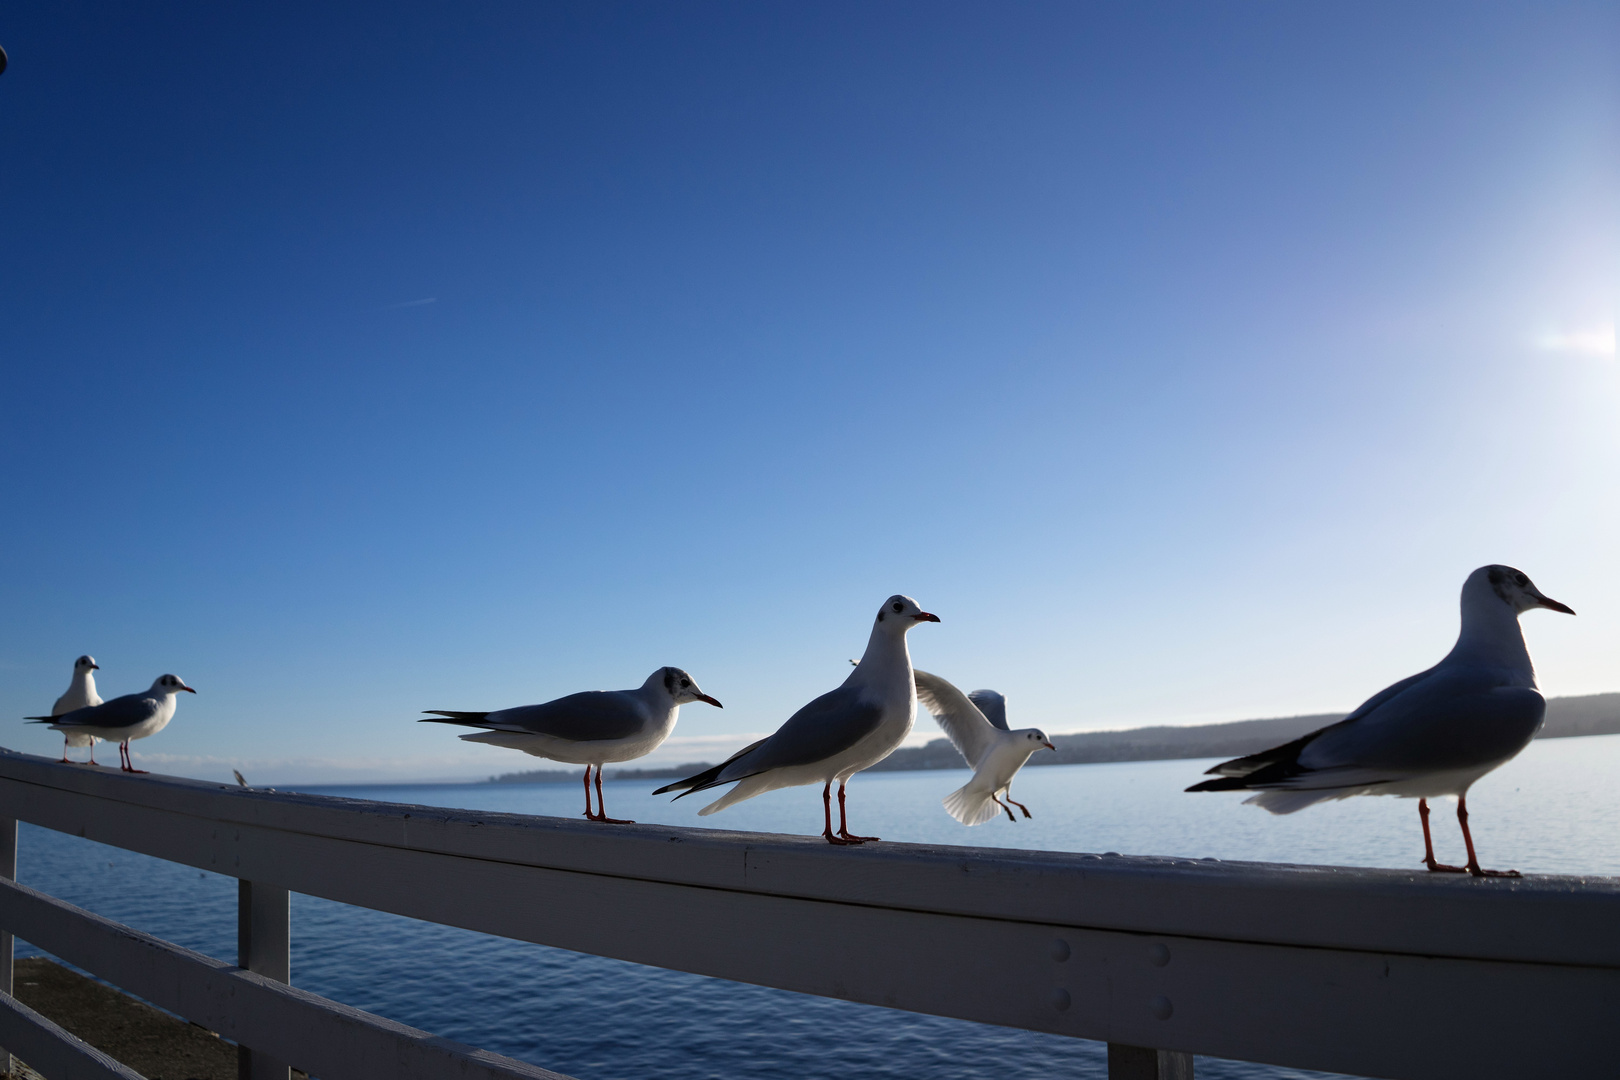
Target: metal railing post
(1145,1063)
(8,869)
(264,947)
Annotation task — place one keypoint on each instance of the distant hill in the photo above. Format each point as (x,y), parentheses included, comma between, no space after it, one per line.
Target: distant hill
(1592,714)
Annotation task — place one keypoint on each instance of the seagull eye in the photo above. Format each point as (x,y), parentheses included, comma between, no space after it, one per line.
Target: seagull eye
(1521,579)
(898,606)
(685,683)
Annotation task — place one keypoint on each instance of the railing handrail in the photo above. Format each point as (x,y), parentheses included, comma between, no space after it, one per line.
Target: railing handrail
(1292,965)
(1541,918)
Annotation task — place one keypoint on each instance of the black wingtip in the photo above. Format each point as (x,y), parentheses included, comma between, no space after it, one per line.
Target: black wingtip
(39,719)
(1225,783)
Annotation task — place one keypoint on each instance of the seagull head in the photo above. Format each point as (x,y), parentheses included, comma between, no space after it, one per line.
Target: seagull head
(1036,737)
(679,685)
(85,663)
(1514,588)
(170,684)
(901,613)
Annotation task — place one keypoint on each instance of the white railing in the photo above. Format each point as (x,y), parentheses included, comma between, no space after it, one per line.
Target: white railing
(1374,972)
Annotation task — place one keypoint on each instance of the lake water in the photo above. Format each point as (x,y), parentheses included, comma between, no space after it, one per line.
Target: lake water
(1556,809)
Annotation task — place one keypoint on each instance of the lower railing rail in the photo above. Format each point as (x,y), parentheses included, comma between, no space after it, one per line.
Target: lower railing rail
(1371,972)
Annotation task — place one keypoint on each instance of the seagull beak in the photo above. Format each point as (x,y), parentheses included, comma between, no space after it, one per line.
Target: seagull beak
(923,616)
(1049,746)
(95,667)
(188,689)
(710,700)
(1548,602)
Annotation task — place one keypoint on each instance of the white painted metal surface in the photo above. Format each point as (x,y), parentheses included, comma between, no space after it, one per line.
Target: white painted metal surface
(1380,973)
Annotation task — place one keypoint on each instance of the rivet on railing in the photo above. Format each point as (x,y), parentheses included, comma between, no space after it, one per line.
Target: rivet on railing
(1060,950)
(1161,1008)
(1060,1000)
(1158,955)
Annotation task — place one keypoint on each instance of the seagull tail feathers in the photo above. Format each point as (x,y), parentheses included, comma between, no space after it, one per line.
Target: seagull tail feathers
(971,807)
(708,778)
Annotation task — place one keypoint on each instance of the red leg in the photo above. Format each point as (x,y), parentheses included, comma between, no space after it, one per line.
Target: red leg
(1018,804)
(93,760)
(1473,862)
(588,813)
(602,806)
(843,821)
(1428,844)
(826,811)
(64,750)
(1006,809)
(129,762)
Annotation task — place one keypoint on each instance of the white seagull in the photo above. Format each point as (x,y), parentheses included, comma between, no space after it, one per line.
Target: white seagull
(1429,735)
(133,716)
(81,694)
(976,724)
(589,728)
(835,736)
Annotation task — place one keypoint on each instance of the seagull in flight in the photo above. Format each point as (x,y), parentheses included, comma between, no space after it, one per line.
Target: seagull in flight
(588,728)
(976,724)
(123,719)
(835,736)
(1430,735)
(81,694)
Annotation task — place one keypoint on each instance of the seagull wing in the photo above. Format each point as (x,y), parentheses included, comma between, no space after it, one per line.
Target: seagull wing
(969,730)
(1439,720)
(992,704)
(825,728)
(120,712)
(590,716)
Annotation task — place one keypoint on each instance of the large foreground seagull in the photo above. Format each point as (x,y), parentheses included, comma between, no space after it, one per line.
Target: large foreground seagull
(835,736)
(123,719)
(590,728)
(1427,736)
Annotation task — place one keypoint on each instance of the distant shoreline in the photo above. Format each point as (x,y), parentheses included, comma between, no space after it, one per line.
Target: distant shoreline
(1567,717)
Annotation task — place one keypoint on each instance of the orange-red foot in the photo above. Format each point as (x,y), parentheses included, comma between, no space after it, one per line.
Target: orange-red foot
(1442,868)
(1473,868)
(853,839)
(831,839)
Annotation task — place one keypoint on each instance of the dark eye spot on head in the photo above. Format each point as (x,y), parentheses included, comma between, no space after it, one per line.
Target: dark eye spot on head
(898,606)
(685,683)
(1521,579)
(669,682)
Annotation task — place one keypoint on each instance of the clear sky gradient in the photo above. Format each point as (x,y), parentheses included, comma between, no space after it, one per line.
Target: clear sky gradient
(367,358)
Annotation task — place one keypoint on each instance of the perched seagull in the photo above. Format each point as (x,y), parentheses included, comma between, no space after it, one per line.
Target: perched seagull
(81,694)
(589,728)
(835,736)
(976,724)
(1429,735)
(133,716)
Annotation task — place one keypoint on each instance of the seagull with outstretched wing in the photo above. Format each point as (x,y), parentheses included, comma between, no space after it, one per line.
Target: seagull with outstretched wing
(976,724)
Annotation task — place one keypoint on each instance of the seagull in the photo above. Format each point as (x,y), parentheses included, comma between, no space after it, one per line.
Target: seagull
(835,736)
(588,728)
(133,716)
(976,724)
(1430,735)
(81,694)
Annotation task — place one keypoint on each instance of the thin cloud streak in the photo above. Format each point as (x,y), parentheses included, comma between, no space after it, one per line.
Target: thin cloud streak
(1594,341)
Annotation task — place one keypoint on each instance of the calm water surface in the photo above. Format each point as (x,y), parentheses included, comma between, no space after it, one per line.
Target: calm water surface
(1553,810)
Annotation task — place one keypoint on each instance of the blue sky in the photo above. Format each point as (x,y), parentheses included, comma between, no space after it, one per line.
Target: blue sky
(361,359)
